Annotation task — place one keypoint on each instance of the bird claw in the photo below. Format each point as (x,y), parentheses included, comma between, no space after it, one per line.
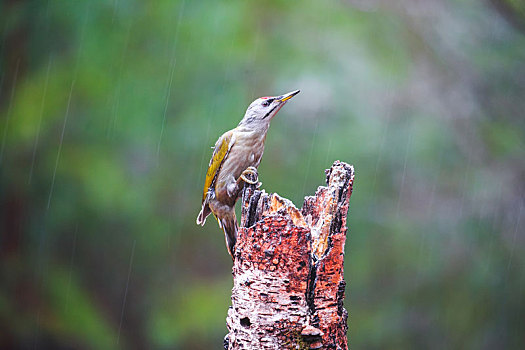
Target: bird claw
(248,181)
(251,172)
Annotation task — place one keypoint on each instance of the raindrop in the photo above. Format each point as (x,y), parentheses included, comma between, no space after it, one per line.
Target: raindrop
(126,291)
(42,104)
(73,251)
(409,144)
(169,81)
(8,117)
(513,245)
(311,154)
(60,144)
(168,94)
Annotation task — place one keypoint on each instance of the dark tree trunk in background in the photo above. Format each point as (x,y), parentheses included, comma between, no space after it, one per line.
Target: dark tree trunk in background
(288,287)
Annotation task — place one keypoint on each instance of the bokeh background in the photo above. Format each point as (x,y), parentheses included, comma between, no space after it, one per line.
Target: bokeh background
(108,110)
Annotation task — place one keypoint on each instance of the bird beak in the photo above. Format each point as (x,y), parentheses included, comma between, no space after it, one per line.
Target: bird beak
(287,96)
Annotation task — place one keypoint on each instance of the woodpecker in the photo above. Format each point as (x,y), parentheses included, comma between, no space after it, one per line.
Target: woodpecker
(236,155)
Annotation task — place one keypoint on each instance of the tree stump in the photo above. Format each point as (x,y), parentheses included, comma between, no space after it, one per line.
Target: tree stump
(288,285)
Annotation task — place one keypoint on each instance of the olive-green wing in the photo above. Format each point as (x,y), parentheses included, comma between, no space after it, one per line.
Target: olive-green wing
(221,150)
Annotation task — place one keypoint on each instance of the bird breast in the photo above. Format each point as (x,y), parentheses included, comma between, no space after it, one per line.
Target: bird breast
(247,151)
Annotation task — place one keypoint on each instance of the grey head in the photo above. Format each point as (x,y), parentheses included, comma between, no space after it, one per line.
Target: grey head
(262,110)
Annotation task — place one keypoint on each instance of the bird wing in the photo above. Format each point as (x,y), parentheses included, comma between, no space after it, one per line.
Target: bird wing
(221,150)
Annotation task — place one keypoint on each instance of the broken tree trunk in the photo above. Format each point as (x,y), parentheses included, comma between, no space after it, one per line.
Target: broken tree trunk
(288,285)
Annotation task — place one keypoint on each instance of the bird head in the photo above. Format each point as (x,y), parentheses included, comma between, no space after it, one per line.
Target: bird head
(262,110)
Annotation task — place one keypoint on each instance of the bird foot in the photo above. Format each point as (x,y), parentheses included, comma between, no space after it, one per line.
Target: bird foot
(250,173)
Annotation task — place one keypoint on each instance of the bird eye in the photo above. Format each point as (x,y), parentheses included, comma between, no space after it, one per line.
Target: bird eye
(266,103)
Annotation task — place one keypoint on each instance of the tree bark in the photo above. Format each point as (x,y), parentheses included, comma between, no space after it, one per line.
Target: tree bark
(288,285)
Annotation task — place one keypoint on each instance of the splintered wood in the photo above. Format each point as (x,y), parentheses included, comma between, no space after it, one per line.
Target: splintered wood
(288,285)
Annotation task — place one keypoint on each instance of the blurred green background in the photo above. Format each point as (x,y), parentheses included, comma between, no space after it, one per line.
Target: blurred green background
(108,110)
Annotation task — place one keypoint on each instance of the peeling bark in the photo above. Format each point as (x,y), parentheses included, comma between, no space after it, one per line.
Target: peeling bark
(288,287)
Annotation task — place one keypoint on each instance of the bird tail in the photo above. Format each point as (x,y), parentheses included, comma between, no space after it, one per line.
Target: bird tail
(230,228)
(205,211)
